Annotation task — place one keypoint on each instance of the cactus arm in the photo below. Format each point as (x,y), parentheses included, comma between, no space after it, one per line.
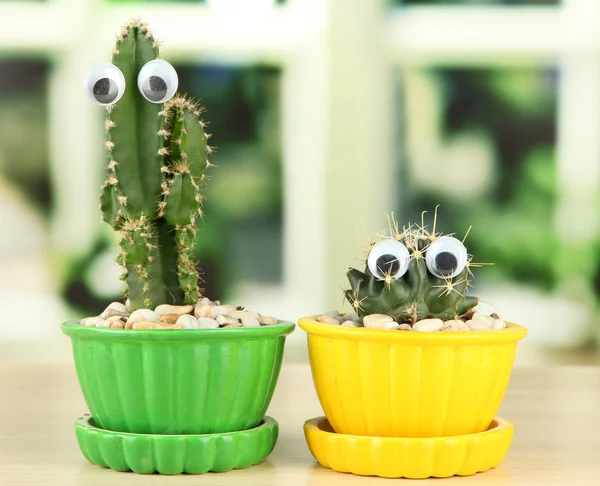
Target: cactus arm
(109,204)
(182,200)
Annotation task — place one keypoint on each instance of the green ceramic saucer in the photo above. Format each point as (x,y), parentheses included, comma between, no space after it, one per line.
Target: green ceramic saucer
(175,454)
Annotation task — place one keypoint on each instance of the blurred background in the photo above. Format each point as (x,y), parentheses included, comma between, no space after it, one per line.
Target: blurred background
(327,115)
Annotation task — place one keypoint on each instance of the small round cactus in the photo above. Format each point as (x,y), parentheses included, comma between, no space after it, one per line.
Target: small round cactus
(413,274)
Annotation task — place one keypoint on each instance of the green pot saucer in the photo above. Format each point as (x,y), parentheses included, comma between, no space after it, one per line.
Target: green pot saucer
(175,454)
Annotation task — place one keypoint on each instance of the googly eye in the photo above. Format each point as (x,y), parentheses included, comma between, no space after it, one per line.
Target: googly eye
(388,258)
(446,257)
(104,84)
(157,81)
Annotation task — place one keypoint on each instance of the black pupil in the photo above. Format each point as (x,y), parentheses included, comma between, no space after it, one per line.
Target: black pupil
(446,263)
(388,264)
(155,88)
(105,90)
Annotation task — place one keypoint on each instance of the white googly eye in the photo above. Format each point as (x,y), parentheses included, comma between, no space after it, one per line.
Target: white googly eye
(158,81)
(104,84)
(446,257)
(388,258)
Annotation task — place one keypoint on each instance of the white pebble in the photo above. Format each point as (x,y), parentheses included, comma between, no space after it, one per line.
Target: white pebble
(250,321)
(115,308)
(267,321)
(380,321)
(165,309)
(336,315)
(91,321)
(350,323)
(203,310)
(204,301)
(128,305)
(187,321)
(328,320)
(405,327)
(141,315)
(110,322)
(104,323)
(463,327)
(224,320)
(219,310)
(428,325)
(487,321)
(239,314)
(451,325)
(498,324)
(207,323)
(477,325)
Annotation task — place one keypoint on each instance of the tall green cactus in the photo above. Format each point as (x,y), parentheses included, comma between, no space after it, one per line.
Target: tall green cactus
(415,274)
(158,153)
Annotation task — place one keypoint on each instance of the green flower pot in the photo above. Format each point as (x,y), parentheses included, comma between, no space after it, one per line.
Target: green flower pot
(180,381)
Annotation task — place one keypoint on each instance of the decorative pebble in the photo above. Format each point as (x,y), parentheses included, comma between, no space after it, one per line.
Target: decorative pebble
(405,327)
(114,309)
(380,321)
(128,305)
(169,327)
(428,325)
(174,309)
(477,325)
(112,319)
(237,314)
(487,321)
(498,324)
(170,318)
(328,320)
(117,324)
(207,323)
(233,324)
(92,321)
(219,310)
(142,315)
(225,320)
(350,323)
(267,321)
(144,325)
(204,310)
(352,316)
(250,321)
(452,325)
(463,327)
(187,321)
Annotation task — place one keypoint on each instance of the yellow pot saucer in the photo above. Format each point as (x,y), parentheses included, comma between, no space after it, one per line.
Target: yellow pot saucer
(414,458)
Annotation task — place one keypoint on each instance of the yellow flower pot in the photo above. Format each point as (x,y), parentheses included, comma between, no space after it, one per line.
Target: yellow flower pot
(382,383)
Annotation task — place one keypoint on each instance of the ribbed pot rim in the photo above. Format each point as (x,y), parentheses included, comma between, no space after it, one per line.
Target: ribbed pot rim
(512,333)
(76,331)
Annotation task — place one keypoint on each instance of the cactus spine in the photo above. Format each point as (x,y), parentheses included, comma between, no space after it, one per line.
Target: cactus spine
(158,153)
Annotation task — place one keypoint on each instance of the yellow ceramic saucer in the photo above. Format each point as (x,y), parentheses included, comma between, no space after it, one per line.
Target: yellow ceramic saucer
(415,458)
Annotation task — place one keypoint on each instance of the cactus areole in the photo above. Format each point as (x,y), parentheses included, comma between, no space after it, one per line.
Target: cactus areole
(413,274)
(157,157)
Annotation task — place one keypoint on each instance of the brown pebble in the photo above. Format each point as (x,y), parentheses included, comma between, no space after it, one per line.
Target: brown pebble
(144,325)
(168,328)
(169,318)
(204,310)
(166,309)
